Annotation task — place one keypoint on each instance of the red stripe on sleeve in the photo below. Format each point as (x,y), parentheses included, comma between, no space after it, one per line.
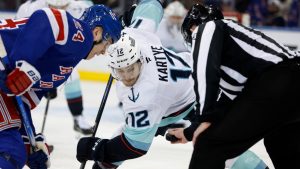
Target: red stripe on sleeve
(59,20)
(128,147)
(28,97)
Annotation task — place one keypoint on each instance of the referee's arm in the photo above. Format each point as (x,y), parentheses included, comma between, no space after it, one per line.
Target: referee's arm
(207,61)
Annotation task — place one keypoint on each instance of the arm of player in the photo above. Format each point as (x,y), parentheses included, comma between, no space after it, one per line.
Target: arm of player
(111,153)
(141,126)
(207,58)
(35,39)
(147,15)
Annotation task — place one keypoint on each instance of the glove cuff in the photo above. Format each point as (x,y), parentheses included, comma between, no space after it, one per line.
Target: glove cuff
(29,70)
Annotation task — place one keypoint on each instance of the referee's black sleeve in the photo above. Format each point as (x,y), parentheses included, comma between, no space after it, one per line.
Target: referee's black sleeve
(226,55)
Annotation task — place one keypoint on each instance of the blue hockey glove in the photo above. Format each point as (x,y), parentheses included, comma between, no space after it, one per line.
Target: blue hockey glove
(90,148)
(39,159)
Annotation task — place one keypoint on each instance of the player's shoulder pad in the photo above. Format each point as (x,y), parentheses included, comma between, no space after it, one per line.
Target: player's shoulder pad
(59,24)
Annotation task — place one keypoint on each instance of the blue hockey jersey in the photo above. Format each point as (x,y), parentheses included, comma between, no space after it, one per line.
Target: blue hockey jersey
(52,41)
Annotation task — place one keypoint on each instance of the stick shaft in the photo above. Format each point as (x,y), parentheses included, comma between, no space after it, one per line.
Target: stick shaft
(45,115)
(26,122)
(100,111)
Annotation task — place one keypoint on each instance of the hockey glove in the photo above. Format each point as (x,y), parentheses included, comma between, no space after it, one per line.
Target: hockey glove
(22,78)
(51,94)
(90,148)
(39,159)
(125,19)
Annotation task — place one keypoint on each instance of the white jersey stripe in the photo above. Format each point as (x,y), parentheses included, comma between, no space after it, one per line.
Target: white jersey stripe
(253,51)
(34,98)
(202,60)
(228,86)
(231,96)
(234,74)
(55,25)
(256,37)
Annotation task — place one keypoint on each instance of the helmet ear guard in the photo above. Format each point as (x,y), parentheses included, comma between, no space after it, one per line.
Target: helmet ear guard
(100,15)
(197,15)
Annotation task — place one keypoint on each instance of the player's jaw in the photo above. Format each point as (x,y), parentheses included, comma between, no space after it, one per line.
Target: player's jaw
(130,74)
(100,45)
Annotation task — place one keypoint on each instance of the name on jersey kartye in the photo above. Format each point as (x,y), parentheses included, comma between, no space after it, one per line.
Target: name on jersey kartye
(161,63)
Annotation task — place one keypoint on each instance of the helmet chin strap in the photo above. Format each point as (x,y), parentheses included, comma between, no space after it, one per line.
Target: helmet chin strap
(97,42)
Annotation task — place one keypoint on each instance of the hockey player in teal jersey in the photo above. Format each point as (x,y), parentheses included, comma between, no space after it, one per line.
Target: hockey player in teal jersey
(154,85)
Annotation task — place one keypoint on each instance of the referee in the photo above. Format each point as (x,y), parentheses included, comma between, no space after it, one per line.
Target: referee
(248,88)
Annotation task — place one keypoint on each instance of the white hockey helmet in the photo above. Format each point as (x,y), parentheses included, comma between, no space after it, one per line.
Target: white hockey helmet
(58,3)
(122,55)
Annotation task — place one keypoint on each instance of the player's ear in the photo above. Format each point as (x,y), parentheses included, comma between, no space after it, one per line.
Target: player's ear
(97,33)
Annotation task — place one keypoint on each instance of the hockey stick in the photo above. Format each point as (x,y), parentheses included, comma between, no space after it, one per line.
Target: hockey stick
(100,111)
(50,147)
(45,114)
(26,123)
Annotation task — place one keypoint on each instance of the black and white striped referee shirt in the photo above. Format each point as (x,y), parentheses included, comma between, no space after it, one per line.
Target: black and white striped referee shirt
(225,55)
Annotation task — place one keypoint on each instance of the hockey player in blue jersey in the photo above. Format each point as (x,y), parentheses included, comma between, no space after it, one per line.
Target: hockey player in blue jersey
(39,53)
(72,88)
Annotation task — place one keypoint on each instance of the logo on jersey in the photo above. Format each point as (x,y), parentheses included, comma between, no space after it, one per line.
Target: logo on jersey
(57,77)
(148,59)
(12,23)
(65,70)
(78,37)
(113,15)
(133,98)
(120,52)
(46,84)
(77,25)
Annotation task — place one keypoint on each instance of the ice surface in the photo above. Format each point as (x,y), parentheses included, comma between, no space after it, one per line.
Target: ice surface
(59,132)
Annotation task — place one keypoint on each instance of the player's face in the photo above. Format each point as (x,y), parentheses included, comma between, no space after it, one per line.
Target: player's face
(99,48)
(175,20)
(129,74)
(193,28)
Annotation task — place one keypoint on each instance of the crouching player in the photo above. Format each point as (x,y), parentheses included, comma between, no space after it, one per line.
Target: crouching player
(154,84)
(36,59)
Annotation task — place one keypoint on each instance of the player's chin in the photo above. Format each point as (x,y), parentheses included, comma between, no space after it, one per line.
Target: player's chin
(129,83)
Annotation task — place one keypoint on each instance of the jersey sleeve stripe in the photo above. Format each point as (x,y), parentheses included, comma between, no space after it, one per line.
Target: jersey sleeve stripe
(59,21)
(206,37)
(59,24)
(31,99)
(129,147)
